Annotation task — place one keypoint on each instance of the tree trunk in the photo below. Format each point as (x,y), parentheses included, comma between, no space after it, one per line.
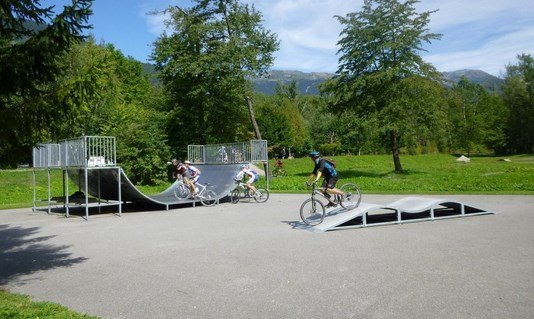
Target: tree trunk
(253,117)
(395,151)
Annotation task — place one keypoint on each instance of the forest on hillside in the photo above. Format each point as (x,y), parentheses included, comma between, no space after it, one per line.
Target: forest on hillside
(56,83)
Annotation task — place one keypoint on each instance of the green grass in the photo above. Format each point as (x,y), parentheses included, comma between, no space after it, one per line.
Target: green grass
(424,174)
(20,306)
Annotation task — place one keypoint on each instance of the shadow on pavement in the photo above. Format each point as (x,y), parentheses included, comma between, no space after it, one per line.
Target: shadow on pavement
(23,253)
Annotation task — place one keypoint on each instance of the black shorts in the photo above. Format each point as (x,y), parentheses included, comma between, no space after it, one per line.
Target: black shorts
(329,182)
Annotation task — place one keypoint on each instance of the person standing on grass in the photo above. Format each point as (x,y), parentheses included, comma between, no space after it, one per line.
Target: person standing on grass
(325,168)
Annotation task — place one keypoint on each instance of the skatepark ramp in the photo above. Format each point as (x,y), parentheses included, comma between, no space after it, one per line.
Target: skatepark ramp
(408,209)
(103,184)
(91,163)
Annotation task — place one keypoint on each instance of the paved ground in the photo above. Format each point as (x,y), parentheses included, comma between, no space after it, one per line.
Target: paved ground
(246,261)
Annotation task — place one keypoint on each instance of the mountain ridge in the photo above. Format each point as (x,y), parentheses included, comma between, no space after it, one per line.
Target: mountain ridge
(308,82)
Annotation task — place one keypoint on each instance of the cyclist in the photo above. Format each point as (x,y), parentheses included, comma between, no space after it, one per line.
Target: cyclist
(279,164)
(192,174)
(326,169)
(178,169)
(252,176)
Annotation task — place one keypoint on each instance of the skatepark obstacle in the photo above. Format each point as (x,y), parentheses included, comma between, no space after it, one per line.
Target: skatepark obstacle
(91,163)
(405,210)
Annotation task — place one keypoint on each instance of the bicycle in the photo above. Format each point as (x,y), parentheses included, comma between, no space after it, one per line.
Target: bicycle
(207,196)
(313,211)
(278,171)
(261,195)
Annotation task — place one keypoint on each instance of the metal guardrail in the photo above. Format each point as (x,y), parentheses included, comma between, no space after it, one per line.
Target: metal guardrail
(241,152)
(47,155)
(85,151)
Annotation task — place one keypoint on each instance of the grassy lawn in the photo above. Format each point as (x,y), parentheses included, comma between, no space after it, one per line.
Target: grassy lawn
(21,306)
(424,174)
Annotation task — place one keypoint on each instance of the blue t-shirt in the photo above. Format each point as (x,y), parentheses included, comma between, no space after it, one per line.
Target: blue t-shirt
(325,167)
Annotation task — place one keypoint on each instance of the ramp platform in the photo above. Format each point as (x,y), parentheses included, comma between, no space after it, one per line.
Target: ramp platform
(408,209)
(103,183)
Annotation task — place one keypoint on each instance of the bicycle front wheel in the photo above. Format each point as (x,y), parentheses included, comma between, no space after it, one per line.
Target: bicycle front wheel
(209,198)
(351,196)
(261,195)
(312,212)
(235,195)
(181,191)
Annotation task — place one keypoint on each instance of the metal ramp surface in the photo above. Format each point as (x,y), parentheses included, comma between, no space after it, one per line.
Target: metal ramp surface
(408,209)
(103,183)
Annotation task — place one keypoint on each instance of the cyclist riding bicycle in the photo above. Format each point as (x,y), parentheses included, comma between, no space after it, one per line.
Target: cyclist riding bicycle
(325,168)
(252,177)
(192,174)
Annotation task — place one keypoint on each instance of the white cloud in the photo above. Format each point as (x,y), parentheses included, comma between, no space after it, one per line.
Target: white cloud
(490,57)
(482,34)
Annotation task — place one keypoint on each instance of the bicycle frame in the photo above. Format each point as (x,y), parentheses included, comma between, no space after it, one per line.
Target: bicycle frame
(319,191)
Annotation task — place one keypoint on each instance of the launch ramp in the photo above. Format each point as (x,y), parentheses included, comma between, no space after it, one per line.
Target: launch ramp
(408,209)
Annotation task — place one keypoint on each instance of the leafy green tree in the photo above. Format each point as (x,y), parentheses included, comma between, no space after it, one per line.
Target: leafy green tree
(477,117)
(518,95)
(381,75)
(32,42)
(206,62)
(281,123)
(122,103)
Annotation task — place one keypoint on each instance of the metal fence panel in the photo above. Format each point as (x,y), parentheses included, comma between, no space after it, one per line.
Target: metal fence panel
(241,152)
(77,152)
(47,155)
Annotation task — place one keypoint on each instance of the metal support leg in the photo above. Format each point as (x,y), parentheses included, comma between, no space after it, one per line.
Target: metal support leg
(119,192)
(66,179)
(49,194)
(86,194)
(34,190)
(99,208)
(399,216)
(432,213)
(364,219)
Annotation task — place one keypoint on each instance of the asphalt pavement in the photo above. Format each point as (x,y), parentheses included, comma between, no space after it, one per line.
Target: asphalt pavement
(247,261)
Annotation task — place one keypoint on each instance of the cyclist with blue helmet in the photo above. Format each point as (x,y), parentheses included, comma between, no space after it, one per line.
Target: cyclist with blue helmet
(325,169)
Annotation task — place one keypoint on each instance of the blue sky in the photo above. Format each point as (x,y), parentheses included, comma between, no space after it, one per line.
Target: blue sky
(477,34)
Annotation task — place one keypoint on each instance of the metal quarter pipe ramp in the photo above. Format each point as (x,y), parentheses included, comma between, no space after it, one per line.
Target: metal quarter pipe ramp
(408,209)
(103,183)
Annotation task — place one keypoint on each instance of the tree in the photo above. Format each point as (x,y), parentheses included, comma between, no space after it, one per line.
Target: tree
(214,49)
(477,117)
(381,75)
(30,51)
(518,95)
(111,96)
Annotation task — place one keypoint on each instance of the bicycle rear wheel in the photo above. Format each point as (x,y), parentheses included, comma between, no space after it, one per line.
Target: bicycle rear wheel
(351,196)
(181,191)
(261,195)
(312,212)
(208,198)
(235,195)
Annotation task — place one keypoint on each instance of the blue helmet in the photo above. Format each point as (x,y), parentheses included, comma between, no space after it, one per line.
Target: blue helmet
(314,154)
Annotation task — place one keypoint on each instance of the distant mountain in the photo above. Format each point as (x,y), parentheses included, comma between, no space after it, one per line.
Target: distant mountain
(488,81)
(308,82)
